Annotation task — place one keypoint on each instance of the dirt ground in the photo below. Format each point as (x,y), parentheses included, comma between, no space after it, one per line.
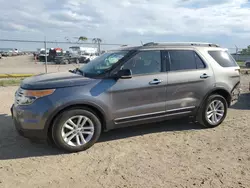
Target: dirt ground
(26,64)
(169,154)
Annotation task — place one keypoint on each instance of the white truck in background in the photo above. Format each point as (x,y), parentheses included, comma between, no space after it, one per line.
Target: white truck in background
(87,52)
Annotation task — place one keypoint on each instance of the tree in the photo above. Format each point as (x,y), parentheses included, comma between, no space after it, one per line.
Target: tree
(82,38)
(245,51)
(98,42)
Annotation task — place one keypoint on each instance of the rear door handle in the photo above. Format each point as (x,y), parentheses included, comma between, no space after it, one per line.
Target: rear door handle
(204,76)
(155,82)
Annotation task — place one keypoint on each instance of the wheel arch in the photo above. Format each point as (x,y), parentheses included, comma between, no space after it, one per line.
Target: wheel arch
(220,91)
(92,107)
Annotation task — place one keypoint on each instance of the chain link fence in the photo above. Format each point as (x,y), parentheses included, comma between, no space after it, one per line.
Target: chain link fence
(35,57)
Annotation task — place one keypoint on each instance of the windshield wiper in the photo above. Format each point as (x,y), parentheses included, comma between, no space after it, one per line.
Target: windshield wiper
(77,70)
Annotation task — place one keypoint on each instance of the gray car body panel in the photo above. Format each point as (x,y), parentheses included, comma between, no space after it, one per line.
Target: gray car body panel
(125,102)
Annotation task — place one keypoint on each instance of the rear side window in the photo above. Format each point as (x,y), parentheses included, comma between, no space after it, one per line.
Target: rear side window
(223,58)
(199,63)
(184,60)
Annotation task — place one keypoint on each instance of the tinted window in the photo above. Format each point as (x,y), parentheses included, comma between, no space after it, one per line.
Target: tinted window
(145,62)
(223,58)
(182,60)
(199,63)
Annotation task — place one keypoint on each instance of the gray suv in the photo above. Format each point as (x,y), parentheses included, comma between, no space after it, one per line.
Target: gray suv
(126,87)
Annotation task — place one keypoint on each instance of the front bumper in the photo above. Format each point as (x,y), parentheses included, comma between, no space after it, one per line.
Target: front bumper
(26,126)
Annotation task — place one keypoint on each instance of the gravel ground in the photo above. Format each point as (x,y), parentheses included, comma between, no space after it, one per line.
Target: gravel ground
(26,64)
(169,154)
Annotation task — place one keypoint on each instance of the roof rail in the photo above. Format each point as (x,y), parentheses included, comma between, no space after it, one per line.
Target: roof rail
(150,44)
(181,44)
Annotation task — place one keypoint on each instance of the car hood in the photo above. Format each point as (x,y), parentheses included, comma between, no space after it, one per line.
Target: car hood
(55,80)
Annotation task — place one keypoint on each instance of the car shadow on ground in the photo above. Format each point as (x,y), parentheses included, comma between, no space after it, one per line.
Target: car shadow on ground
(13,146)
(243,103)
(166,126)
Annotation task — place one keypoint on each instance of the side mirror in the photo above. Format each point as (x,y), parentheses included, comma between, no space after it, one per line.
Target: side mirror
(124,74)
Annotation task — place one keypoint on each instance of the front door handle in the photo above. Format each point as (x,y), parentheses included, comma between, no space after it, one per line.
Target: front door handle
(155,82)
(204,76)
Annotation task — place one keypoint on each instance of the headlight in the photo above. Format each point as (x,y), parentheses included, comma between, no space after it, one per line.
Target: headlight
(26,97)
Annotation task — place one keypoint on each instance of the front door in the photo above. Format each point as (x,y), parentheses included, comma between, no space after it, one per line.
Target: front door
(144,95)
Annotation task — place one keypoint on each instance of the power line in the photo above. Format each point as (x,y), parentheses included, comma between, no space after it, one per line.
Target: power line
(56,42)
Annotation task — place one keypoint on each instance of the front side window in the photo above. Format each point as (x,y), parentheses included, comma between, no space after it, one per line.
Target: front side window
(144,62)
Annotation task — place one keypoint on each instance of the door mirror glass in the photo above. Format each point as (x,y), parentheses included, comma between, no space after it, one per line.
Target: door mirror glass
(124,74)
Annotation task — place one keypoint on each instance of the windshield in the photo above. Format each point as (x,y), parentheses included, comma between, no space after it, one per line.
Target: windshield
(74,50)
(42,52)
(59,53)
(103,63)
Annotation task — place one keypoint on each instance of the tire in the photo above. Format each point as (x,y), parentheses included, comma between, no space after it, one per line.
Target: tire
(202,117)
(66,62)
(58,130)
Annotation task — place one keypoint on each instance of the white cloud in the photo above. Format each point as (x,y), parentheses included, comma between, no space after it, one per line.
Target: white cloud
(126,21)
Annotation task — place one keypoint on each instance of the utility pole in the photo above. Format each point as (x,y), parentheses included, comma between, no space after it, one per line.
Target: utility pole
(45,46)
(236,53)
(99,47)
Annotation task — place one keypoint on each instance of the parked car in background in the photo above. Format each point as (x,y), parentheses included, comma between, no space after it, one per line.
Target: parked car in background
(89,53)
(69,58)
(6,54)
(77,55)
(126,87)
(247,63)
(9,52)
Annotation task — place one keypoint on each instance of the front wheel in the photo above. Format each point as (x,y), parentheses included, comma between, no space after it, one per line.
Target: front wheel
(213,112)
(76,130)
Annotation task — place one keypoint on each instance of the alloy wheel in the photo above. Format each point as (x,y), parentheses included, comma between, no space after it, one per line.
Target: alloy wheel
(77,130)
(215,112)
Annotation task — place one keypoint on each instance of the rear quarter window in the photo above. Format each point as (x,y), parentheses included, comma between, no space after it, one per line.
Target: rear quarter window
(223,58)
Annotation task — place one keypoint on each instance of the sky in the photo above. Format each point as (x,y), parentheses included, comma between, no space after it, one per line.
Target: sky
(225,22)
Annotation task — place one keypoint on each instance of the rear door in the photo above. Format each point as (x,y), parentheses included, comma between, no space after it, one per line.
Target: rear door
(189,79)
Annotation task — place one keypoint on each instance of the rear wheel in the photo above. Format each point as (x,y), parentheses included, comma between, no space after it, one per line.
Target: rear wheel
(76,130)
(213,112)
